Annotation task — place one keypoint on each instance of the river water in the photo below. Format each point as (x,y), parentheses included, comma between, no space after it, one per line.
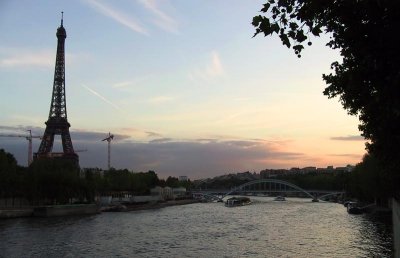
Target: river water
(295,228)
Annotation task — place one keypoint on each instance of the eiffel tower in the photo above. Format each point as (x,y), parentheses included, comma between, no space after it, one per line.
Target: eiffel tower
(57,124)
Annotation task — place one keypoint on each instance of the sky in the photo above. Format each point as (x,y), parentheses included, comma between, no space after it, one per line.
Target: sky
(182,85)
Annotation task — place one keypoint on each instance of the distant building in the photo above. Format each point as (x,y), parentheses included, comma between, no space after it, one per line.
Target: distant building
(347,168)
(165,193)
(308,170)
(179,192)
(268,173)
(183,178)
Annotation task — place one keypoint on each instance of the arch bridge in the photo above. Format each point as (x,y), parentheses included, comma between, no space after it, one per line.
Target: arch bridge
(263,186)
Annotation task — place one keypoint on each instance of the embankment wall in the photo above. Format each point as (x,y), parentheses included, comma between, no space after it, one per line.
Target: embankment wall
(396,226)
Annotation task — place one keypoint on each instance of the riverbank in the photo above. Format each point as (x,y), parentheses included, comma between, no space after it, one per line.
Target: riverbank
(10,213)
(68,210)
(49,211)
(145,206)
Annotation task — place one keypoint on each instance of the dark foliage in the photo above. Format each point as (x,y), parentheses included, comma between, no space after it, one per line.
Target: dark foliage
(367,79)
(57,181)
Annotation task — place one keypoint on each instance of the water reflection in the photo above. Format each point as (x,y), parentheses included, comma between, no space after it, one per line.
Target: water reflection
(295,228)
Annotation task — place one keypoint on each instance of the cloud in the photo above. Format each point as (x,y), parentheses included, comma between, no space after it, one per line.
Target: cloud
(11,57)
(117,16)
(168,157)
(244,144)
(196,158)
(348,138)
(21,130)
(78,135)
(348,155)
(153,134)
(212,70)
(89,136)
(127,83)
(14,57)
(206,140)
(160,99)
(162,20)
(161,140)
(215,68)
(102,98)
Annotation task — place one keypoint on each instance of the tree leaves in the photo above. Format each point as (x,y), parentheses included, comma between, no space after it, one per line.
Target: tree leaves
(265,8)
(316,30)
(367,78)
(300,37)
(285,39)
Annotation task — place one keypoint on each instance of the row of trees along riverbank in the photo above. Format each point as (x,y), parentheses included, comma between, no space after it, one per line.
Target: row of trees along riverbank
(59,181)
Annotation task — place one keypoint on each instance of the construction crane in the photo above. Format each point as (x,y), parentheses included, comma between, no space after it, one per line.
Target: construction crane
(109,139)
(29,138)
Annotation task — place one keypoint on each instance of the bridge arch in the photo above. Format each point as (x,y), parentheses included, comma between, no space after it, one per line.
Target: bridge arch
(329,194)
(276,181)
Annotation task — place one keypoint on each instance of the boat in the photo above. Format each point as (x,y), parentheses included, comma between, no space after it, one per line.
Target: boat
(280,198)
(237,201)
(346,203)
(353,208)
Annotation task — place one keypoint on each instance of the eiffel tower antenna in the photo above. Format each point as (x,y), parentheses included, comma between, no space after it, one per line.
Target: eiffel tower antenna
(57,123)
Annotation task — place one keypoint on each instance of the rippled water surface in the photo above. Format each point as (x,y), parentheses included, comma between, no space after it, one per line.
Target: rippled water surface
(295,228)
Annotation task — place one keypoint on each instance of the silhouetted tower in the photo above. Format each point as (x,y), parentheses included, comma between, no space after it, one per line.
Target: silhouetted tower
(57,124)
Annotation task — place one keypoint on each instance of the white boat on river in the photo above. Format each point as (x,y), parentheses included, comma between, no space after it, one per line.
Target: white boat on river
(237,201)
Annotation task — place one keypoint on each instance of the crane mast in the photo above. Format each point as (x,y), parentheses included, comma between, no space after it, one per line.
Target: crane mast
(29,138)
(109,139)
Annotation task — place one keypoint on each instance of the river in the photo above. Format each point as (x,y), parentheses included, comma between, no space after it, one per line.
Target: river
(294,228)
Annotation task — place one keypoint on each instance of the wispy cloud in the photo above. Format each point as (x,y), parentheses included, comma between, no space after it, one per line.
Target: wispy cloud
(162,20)
(212,70)
(122,84)
(102,98)
(21,130)
(117,16)
(153,134)
(160,99)
(13,57)
(348,155)
(215,68)
(128,83)
(161,140)
(348,138)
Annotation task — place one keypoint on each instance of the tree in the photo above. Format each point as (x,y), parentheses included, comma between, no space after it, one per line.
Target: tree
(54,180)
(172,182)
(8,174)
(367,79)
(368,182)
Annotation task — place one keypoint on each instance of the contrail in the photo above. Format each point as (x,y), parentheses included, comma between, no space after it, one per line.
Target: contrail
(117,16)
(102,98)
